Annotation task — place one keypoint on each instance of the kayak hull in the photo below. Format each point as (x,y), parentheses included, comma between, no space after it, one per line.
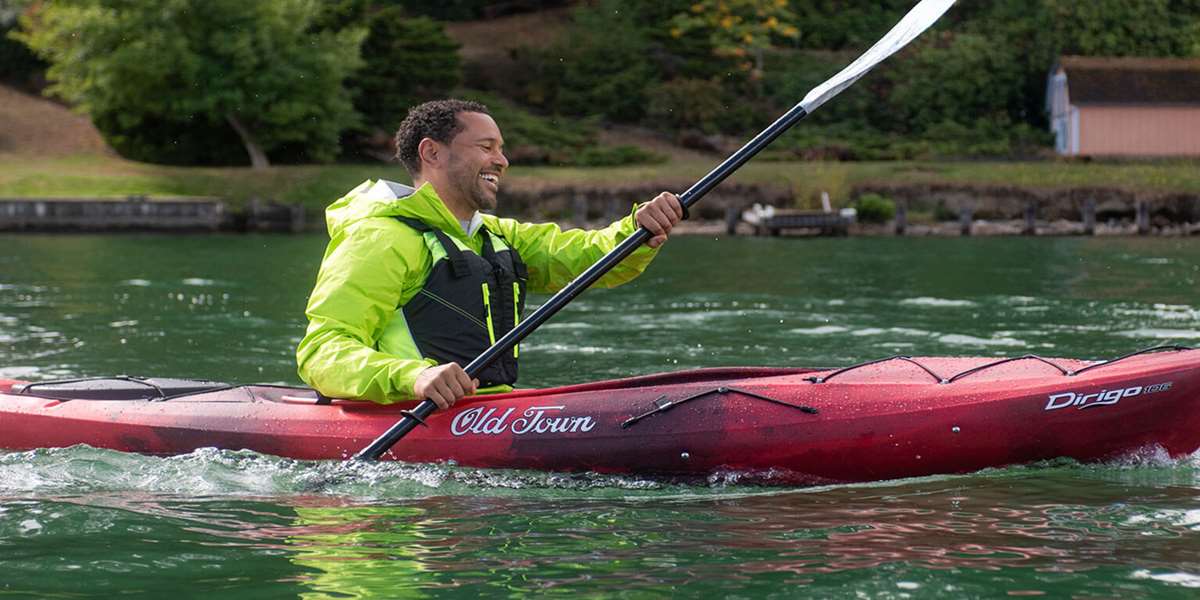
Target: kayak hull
(884,420)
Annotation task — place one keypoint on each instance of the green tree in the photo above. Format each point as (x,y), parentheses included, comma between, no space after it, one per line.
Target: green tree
(407,60)
(684,103)
(854,24)
(1122,28)
(976,83)
(740,29)
(676,56)
(253,68)
(1026,37)
(604,67)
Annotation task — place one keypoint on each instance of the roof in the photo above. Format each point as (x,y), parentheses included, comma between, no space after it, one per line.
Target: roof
(1132,80)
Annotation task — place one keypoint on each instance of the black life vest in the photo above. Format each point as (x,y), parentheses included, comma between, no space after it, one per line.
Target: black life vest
(468,302)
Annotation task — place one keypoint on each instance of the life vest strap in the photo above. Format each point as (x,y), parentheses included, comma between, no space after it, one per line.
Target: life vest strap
(459,264)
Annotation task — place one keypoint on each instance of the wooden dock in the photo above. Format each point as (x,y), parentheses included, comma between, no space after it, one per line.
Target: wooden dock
(775,222)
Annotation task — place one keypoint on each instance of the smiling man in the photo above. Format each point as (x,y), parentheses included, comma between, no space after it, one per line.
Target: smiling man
(417,283)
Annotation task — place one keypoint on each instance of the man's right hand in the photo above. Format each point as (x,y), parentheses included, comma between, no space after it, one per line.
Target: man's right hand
(444,384)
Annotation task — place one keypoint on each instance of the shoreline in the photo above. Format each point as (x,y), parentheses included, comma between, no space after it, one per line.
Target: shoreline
(921,209)
(707,227)
(980,228)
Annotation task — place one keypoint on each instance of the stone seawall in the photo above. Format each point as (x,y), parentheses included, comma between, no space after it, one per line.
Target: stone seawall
(575,204)
(933,206)
(579,204)
(1000,202)
(108,214)
(139,213)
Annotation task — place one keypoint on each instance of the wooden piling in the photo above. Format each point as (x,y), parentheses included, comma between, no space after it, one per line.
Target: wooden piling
(1089,216)
(613,209)
(297,213)
(901,217)
(579,208)
(1143,217)
(733,215)
(1030,218)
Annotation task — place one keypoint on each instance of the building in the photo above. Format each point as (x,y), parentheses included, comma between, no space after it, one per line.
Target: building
(1103,106)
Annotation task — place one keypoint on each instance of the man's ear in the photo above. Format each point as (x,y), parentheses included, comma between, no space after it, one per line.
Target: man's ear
(430,152)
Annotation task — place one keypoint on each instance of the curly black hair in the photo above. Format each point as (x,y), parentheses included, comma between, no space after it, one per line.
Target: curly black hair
(436,120)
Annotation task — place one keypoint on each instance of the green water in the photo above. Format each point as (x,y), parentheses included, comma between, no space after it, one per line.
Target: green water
(81,522)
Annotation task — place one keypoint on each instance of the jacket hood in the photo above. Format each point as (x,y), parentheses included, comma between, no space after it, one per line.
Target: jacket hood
(385,198)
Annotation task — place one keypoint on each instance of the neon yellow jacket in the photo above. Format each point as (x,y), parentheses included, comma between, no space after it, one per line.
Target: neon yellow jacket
(357,344)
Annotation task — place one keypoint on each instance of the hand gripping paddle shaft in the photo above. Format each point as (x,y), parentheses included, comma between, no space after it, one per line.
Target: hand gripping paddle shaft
(916,21)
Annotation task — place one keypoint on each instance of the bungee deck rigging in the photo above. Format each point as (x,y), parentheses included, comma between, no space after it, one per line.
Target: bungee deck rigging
(947,380)
(662,404)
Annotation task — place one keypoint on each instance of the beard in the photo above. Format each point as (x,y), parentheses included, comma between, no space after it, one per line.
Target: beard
(471,187)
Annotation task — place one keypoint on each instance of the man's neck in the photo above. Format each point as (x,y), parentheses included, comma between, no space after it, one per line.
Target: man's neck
(457,207)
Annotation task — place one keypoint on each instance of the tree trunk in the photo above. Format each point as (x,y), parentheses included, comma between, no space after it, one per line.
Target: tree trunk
(258,158)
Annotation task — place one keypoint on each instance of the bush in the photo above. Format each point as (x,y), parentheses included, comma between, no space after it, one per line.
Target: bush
(686,104)
(602,69)
(943,213)
(531,139)
(446,10)
(467,10)
(873,208)
(612,156)
(183,140)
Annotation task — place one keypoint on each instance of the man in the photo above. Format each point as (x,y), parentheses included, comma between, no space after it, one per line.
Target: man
(415,284)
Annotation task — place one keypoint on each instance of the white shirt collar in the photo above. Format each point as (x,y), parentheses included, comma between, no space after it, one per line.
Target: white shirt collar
(472,225)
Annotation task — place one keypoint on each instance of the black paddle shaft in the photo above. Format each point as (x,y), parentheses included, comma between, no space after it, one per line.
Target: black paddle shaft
(556,302)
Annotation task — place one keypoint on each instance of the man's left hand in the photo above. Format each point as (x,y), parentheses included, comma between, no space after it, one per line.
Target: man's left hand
(658,216)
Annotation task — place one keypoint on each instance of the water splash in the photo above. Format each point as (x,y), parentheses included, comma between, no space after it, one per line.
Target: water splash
(211,472)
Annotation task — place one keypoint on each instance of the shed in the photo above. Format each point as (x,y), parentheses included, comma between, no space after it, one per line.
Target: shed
(1132,106)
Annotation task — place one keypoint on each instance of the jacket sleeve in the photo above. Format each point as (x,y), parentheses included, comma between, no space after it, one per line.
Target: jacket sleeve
(366,273)
(555,257)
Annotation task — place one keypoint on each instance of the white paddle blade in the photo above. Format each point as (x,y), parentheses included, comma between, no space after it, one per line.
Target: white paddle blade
(924,14)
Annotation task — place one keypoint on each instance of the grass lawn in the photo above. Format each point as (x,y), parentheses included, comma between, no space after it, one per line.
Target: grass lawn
(317,185)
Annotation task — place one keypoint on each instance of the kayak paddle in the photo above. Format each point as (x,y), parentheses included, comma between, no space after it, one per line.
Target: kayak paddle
(920,18)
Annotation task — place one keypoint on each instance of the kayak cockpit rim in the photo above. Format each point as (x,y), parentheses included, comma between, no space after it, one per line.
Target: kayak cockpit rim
(146,389)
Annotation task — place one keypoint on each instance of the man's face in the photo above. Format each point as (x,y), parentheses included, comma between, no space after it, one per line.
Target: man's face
(476,160)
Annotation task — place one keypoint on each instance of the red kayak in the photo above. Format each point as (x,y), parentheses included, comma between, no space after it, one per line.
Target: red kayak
(897,417)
